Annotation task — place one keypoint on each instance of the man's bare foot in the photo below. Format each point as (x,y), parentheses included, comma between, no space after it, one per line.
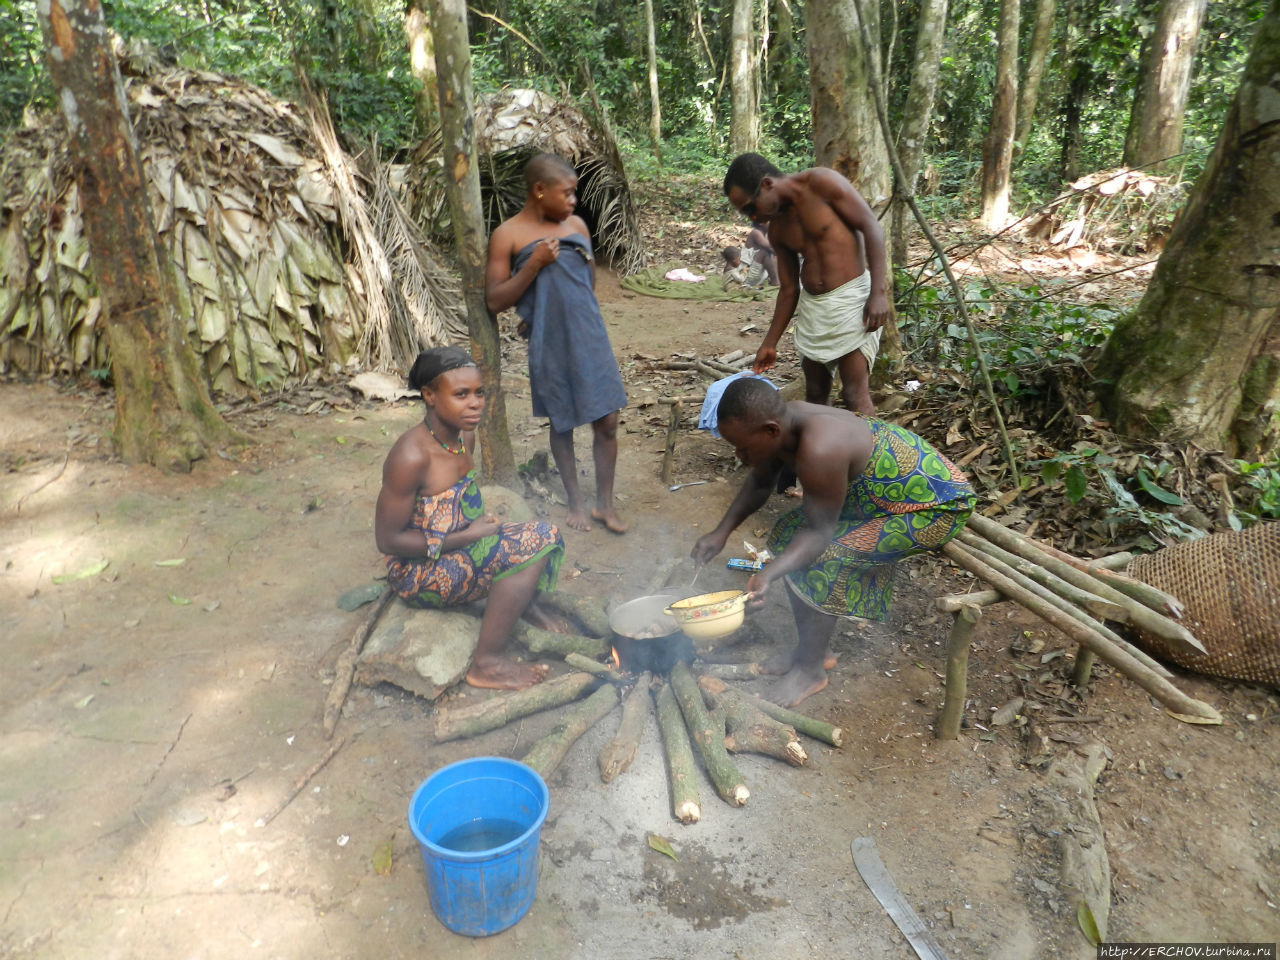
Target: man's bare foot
(611,520)
(499,674)
(545,619)
(784,662)
(798,685)
(578,519)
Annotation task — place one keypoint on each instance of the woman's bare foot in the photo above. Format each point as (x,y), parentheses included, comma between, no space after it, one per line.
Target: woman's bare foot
(578,519)
(611,520)
(799,684)
(784,662)
(499,674)
(545,619)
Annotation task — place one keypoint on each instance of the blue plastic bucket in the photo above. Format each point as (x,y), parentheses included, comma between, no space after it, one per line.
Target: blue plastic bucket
(478,822)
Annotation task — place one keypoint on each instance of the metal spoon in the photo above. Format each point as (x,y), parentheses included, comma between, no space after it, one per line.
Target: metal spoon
(691,483)
(695,577)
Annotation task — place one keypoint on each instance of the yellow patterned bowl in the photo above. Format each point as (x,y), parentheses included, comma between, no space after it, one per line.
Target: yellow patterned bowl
(710,616)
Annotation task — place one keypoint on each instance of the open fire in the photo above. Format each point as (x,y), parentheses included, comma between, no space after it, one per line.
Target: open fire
(655,671)
(656,655)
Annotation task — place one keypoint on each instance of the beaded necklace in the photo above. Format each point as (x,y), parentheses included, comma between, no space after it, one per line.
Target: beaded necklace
(462,448)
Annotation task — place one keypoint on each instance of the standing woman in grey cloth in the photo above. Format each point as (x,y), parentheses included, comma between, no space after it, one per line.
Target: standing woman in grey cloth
(540,262)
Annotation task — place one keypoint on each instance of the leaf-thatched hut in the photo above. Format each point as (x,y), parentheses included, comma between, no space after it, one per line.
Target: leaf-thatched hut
(287,258)
(511,126)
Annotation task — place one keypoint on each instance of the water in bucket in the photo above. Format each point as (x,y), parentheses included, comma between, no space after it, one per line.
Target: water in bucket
(482,835)
(478,822)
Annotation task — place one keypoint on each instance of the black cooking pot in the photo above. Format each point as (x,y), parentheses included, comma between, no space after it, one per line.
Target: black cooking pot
(645,618)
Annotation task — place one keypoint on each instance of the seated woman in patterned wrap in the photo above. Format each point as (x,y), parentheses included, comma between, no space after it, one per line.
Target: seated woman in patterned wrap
(873,494)
(442,549)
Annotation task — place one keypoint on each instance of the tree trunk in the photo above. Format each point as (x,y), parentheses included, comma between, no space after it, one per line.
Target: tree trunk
(743,124)
(1074,54)
(782,54)
(462,184)
(164,412)
(918,109)
(1029,91)
(847,135)
(1200,357)
(655,108)
(846,132)
(997,149)
(761,40)
(422,63)
(1155,123)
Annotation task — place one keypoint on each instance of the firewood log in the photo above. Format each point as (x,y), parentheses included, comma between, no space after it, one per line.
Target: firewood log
(708,738)
(809,726)
(587,611)
(539,641)
(1179,703)
(1140,616)
(748,729)
(682,772)
(604,672)
(732,671)
(545,755)
(617,754)
(477,718)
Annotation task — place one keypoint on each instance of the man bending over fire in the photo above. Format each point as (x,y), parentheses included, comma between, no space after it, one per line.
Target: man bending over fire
(873,494)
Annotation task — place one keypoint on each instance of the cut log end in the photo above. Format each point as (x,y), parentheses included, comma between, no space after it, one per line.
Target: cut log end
(739,795)
(616,762)
(1205,715)
(688,812)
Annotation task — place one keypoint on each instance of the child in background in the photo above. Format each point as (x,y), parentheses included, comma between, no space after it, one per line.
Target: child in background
(763,258)
(753,263)
(737,263)
(540,262)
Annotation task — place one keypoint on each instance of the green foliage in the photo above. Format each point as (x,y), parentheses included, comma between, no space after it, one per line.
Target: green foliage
(23,80)
(567,40)
(1261,496)
(1020,330)
(687,155)
(1089,475)
(560,39)
(1225,41)
(356,52)
(1091,76)
(958,193)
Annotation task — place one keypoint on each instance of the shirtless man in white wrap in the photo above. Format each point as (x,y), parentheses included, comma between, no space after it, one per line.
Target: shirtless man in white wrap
(820,228)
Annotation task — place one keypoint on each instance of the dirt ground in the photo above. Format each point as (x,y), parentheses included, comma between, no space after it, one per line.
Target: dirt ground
(153,712)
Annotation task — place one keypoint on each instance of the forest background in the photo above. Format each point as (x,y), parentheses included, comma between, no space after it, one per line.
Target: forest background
(357,52)
(1073,88)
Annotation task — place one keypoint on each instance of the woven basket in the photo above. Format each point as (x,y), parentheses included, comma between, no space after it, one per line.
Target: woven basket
(1229,584)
